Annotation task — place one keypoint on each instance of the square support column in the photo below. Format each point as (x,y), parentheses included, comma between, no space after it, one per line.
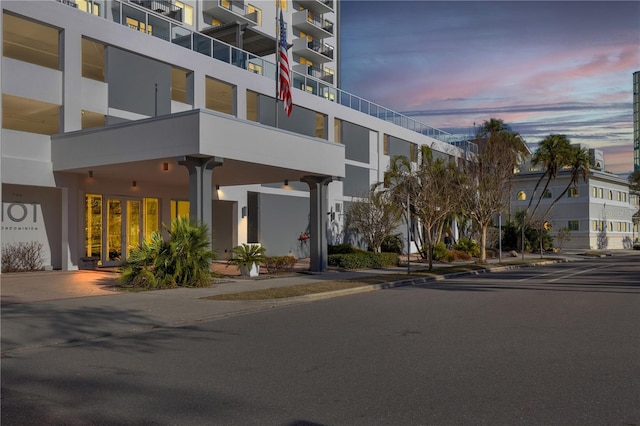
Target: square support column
(318,209)
(200,185)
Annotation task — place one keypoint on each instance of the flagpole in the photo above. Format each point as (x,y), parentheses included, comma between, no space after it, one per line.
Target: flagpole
(277,59)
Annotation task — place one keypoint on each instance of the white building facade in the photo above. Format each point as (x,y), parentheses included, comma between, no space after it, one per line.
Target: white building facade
(118,116)
(598,212)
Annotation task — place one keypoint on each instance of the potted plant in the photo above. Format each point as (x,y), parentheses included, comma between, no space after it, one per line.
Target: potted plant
(248,258)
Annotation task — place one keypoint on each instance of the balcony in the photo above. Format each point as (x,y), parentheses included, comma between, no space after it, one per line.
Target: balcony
(317,6)
(312,24)
(230,11)
(315,72)
(313,50)
(163,7)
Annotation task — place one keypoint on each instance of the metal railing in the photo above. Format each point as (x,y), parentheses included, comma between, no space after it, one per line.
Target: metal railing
(156,25)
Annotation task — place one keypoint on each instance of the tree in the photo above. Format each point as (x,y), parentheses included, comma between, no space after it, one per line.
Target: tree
(579,161)
(552,154)
(429,187)
(486,176)
(374,217)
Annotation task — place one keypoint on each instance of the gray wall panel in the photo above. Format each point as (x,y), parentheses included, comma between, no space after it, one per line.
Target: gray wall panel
(356,182)
(282,219)
(132,83)
(356,141)
(301,120)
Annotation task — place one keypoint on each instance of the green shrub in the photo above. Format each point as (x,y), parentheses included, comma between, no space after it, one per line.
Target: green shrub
(636,246)
(248,254)
(342,249)
(393,244)
(278,264)
(182,261)
(363,259)
(467,245)
(440,252)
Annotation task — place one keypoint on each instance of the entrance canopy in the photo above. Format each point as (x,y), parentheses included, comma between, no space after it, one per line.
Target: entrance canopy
(149,150)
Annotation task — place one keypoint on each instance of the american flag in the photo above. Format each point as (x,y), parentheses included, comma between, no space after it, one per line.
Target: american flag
(285,82)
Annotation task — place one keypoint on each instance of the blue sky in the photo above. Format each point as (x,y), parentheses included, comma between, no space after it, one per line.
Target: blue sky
(543,67)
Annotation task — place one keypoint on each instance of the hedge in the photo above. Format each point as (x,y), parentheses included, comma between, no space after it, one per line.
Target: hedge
(363,259)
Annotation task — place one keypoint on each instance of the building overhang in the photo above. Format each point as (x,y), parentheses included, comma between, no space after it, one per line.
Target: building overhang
(243,36)
(253,153)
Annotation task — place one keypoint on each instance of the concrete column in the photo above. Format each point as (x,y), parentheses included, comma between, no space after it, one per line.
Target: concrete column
(318,209)
(200,185)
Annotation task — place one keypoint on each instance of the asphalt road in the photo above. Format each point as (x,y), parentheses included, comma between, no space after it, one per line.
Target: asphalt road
(552,345)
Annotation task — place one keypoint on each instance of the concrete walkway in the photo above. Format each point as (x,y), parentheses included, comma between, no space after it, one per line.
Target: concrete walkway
(41,309)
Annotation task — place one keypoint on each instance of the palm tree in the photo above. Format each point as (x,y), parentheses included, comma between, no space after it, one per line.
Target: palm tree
(580,162)
(553,153)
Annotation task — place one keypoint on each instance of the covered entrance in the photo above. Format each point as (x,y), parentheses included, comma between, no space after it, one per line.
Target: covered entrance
(116,224)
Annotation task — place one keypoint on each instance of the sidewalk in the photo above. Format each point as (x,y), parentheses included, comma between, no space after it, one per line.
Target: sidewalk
(40,309)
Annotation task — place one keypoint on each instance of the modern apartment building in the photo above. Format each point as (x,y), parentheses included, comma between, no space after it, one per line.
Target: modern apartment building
(118,116)
(598,212)
(636,120)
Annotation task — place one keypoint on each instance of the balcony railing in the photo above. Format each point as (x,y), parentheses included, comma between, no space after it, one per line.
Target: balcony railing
(157,25)
(239,8)
(321,48)
(320,22)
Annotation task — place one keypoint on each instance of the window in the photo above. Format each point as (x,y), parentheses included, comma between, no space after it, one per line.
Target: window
(255,68)
(624,197)
(521,196)
(134,24)
(258,13)
(150,217)
(619,195)
(31,42)
(337,130)
(573,225)
(610,226)
(92,59)
(594,192)
(178,85)
(30,115)
(385,145)
(619,227)
(219,96)
(600,193)
(610,194)
(282,4)
(595,225)
(547,194)
(413,152)
(252,105)
(573,192)
(321,121)
(187,12)
(93,225)
(179,208)
(88,6)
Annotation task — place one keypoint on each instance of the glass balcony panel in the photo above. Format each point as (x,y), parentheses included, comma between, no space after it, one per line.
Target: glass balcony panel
(202,44)
(269,70)
(222,51)
(345,99)
(239,58)
(181,36)
(113,12)
(312,86)
(298,81)
(159,27)
(364,106)
(255,64)
(134,18)
(373,110)
(355,103)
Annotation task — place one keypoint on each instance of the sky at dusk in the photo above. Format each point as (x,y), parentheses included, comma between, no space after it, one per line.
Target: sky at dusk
(542,66)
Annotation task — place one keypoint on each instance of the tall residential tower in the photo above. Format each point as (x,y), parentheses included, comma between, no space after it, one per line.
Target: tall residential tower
(636,120)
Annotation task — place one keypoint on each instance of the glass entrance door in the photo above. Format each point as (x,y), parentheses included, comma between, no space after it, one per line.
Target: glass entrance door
(122,220)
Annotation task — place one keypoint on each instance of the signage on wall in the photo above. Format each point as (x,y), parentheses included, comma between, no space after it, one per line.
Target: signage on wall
(24,223)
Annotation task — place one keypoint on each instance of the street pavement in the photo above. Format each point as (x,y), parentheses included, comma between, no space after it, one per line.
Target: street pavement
(41,309)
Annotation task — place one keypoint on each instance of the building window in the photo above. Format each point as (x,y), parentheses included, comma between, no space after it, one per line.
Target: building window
(321,125)
(30,115)
(547,194)
(521,196)
(573,225)
(252,105)
(600,193)
(31,42)
(413,152)
(219,96)
(187,12)
(624,197)
(282,4)
(93,225)
(573,192)
(258,13)
(385,145)
(619,227)
(88,6)
(595,225)
(594,192)
(179,208)
(134,24)
(92,59)
(610,194)
(254,67)
(150,217)
(337,130)
(178,85)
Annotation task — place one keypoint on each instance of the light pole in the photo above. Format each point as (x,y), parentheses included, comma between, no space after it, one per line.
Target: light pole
(500,238)
(408,236)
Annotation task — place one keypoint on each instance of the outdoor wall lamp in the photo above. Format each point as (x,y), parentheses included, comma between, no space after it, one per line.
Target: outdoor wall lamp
(165,166)
(134,184)
(244,211)
(217,187)
(286,182)
(90,173)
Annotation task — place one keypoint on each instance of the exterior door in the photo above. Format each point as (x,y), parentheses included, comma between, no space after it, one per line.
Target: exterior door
(122,229)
